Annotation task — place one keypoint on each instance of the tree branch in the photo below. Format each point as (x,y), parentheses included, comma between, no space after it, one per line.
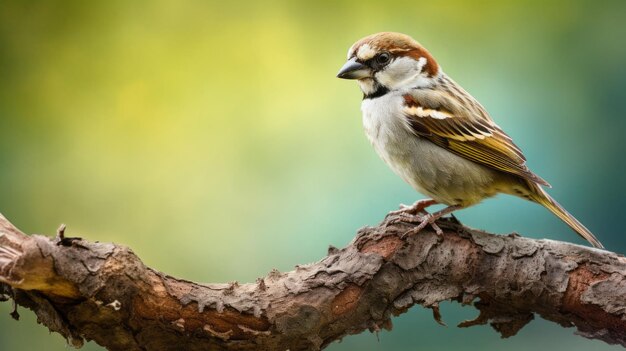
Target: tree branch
(103,292)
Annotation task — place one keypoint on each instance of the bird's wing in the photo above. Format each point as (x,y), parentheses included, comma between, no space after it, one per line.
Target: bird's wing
(477,139)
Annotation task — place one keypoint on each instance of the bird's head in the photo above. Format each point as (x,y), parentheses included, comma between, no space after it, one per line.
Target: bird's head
(388,61)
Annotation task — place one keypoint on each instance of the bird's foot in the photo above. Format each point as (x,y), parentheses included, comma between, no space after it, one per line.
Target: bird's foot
(428,219)
(405,217)
(416,208)
(410,214)
(423,219)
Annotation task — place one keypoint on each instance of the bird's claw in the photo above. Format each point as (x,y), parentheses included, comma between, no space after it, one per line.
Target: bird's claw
(417,214)
(428,219)
(418,207)
(403,217)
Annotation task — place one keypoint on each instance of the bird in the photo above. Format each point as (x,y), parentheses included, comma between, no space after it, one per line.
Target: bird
(436,136)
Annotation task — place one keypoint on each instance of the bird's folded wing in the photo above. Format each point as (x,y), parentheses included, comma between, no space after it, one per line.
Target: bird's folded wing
(476,139)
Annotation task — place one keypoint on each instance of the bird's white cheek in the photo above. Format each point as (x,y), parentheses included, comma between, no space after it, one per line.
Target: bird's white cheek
(402,72)
(421,63)
(397,71)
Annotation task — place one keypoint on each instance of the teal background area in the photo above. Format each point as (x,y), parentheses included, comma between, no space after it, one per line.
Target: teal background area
(214,139)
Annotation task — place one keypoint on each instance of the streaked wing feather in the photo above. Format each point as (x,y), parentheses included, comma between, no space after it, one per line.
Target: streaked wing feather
(478,140)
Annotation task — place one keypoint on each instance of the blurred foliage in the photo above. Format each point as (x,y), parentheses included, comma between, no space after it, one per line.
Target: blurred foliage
(214,139)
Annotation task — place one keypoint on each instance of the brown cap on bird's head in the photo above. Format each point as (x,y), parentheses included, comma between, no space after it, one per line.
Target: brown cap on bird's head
(397,44)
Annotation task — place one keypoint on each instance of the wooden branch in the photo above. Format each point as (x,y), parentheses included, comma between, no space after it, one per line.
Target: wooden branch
(103,292)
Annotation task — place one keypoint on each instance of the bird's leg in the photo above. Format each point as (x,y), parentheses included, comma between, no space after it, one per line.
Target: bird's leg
(430,218)
(410,214)
(413,214)
(416,208)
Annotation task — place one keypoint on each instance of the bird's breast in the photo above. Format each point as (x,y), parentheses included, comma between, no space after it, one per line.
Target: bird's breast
(428,168)
(383,123)
(389,134)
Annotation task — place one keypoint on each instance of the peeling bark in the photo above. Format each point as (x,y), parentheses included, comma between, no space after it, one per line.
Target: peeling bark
(103,292)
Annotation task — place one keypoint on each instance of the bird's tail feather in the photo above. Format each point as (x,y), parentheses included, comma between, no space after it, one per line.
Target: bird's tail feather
(540,196)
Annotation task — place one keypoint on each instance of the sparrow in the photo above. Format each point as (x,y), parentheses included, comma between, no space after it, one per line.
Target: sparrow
(436,136)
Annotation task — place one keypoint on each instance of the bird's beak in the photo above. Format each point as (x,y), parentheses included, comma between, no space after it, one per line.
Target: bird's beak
(354,70)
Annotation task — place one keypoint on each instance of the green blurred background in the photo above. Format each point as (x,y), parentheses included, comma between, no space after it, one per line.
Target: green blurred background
(214,139)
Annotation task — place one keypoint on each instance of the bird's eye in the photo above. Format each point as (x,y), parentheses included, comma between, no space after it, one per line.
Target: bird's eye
(383,58)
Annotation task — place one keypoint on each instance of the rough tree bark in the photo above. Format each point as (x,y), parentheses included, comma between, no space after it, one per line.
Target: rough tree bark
(103,292)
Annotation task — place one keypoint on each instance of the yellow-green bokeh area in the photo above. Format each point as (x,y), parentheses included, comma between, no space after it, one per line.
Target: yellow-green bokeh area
(214,139)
